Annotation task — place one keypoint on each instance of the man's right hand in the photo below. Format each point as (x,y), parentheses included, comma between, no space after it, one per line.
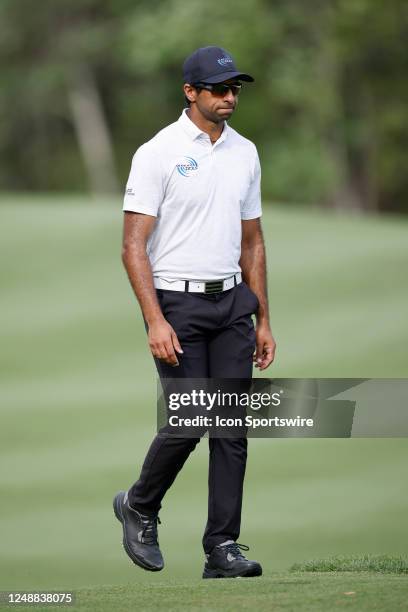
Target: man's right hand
(163,342)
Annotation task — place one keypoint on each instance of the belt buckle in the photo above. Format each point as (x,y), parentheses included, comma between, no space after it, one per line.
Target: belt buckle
(213,286)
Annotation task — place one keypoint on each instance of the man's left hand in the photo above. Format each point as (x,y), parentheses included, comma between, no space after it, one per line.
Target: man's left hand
(265,346)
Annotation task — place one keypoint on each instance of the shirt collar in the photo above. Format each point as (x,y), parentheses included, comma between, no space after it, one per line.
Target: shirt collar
(194,131)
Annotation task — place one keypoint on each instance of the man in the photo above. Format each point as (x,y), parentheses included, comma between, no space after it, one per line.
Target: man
(194,253)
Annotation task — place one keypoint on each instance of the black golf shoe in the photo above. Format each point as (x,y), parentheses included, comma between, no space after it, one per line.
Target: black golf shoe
(227,561)
(139,534)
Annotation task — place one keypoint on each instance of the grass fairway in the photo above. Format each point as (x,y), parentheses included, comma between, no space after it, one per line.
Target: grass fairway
(318,592)
(282,591)
(78,412)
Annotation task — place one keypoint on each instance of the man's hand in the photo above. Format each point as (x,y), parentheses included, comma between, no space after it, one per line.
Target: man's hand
(163,342)
(265,346)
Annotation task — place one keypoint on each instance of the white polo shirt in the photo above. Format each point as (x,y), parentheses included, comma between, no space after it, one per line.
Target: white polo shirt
(199,193)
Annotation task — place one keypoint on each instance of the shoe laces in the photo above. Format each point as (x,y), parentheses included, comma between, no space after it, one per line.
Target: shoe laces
(235,549)
(149,531)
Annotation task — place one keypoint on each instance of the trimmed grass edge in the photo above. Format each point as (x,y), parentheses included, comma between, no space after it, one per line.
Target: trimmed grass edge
(388,564)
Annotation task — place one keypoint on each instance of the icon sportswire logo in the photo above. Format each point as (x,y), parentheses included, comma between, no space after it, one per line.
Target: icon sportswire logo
(223,61)
(187,168)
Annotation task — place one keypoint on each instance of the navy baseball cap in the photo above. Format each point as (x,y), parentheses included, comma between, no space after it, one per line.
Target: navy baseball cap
(211,65)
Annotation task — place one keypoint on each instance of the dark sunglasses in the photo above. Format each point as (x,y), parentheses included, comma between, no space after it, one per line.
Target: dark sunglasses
(220,89)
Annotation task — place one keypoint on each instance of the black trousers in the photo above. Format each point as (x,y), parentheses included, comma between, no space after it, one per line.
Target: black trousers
(217,335)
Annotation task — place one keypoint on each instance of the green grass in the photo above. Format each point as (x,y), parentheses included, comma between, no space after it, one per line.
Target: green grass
(364,563)
(280,591)
(78,412)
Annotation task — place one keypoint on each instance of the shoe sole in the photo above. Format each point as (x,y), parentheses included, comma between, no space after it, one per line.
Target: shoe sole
(117,508)
(250,573)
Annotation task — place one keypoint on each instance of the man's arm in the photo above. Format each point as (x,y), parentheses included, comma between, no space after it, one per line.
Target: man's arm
(253,266)
(163,340)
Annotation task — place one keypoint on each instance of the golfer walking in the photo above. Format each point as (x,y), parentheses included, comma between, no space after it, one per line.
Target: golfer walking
(194,253)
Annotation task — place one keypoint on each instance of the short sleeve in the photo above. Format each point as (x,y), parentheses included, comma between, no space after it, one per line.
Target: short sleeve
(144,188)
(251,208)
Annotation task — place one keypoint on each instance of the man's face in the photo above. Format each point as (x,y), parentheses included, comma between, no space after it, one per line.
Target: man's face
(212,105)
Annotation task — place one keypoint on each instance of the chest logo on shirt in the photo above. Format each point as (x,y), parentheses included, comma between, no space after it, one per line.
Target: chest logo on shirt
(188,167)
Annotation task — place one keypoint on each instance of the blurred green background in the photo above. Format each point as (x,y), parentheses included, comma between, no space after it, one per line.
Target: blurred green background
(83,84)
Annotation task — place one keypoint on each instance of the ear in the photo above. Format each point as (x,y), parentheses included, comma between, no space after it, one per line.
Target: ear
(190,92)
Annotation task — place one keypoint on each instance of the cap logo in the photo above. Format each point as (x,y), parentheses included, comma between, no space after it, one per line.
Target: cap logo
(187,168)
(223,61)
